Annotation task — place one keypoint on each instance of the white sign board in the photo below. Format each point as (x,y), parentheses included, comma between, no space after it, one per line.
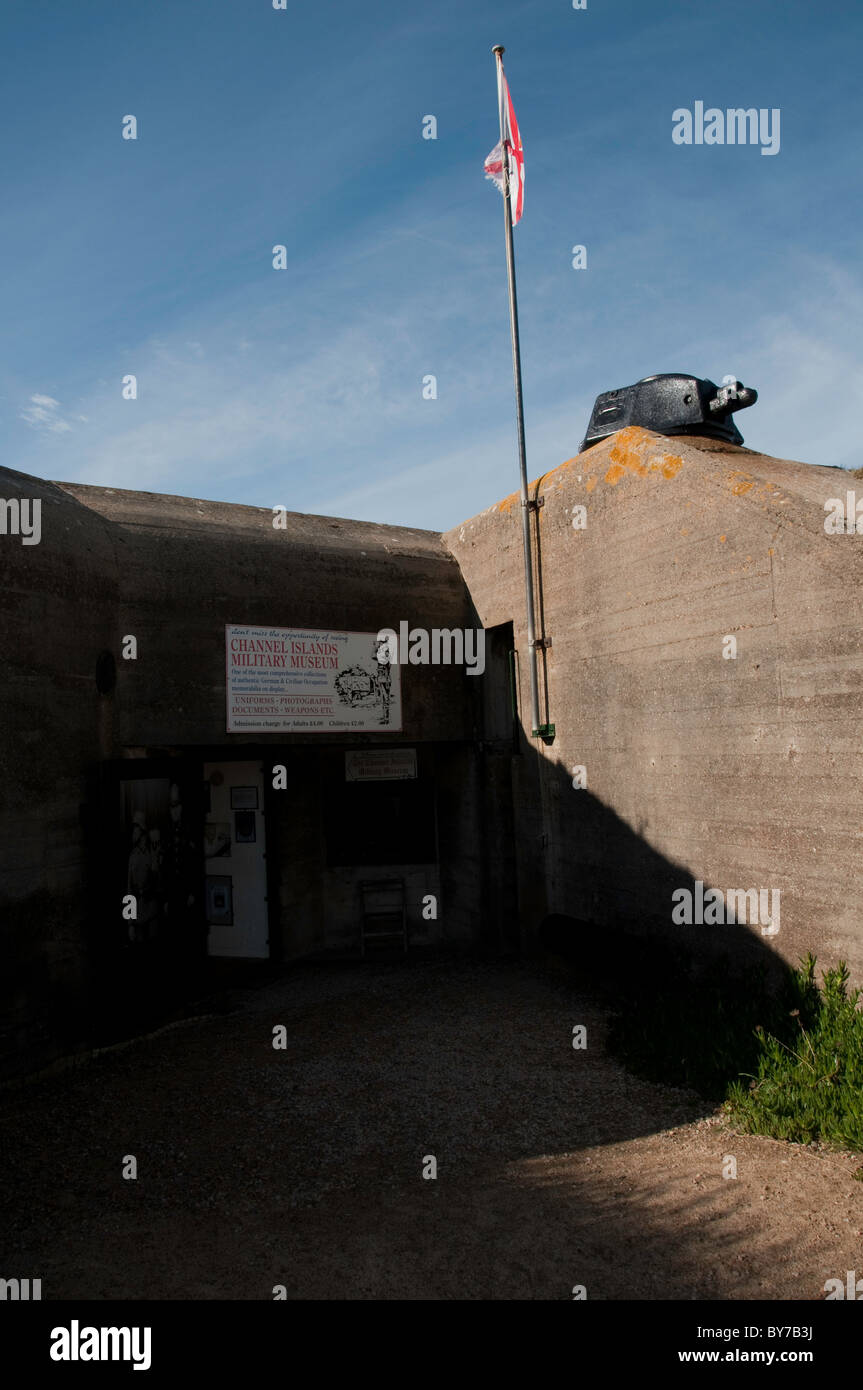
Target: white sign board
(381,765)
(282,679)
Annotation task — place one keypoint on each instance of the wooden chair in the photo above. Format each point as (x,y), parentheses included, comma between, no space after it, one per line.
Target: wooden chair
(383,912)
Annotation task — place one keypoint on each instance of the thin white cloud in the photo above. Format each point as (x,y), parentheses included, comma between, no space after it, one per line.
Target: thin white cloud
(43,413)
(315,400)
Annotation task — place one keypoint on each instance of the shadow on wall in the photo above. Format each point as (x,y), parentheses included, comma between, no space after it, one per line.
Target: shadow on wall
(689,970)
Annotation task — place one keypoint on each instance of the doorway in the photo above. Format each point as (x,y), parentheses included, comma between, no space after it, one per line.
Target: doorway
(235,868)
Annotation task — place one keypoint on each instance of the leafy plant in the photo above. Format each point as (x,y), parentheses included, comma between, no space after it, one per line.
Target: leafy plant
(812,1087)
(787,1063)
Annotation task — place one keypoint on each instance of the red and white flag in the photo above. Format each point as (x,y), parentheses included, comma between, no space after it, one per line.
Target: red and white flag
(512,142)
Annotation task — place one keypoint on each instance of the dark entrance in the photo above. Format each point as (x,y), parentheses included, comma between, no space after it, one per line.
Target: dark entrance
(145,870)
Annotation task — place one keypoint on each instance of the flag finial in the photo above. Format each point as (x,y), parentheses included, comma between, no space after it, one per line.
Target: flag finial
(498,48)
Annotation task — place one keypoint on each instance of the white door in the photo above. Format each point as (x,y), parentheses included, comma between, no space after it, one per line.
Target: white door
(235,861)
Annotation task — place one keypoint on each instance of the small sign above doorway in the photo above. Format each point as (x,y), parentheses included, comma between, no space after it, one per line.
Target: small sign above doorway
(381,765)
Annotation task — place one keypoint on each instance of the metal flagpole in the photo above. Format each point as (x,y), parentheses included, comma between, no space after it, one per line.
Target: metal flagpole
(536,728)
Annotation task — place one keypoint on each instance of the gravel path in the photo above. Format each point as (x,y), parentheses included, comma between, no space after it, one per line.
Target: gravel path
(303,1167)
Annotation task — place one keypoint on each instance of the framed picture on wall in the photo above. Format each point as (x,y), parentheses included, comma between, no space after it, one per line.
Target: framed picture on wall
(217,839)
(244,827)
(244,798)
(220,900)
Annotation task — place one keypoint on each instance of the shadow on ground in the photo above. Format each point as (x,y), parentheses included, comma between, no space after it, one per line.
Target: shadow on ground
(302,1167)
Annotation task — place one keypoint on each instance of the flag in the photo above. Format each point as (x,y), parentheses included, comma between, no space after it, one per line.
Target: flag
(494,163)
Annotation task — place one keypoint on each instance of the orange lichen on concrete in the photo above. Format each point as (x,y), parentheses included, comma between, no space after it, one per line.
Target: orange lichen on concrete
(509,502)
(547,478)
(632,452)
(741,483)
(550,478)
(533,487)
(761,489)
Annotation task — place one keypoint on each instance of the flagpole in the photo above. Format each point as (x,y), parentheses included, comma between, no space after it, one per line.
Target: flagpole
(536,727)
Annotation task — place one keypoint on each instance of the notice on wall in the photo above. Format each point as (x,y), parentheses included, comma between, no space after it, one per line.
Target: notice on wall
(281,680)
(381,765)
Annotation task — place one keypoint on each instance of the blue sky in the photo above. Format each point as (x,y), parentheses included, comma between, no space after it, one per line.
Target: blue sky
(303,387)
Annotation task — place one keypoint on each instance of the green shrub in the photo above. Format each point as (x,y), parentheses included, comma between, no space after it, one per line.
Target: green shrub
(787,1063)
(811,1087)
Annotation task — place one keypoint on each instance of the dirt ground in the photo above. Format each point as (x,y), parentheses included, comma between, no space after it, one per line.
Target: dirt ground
(303,1167)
